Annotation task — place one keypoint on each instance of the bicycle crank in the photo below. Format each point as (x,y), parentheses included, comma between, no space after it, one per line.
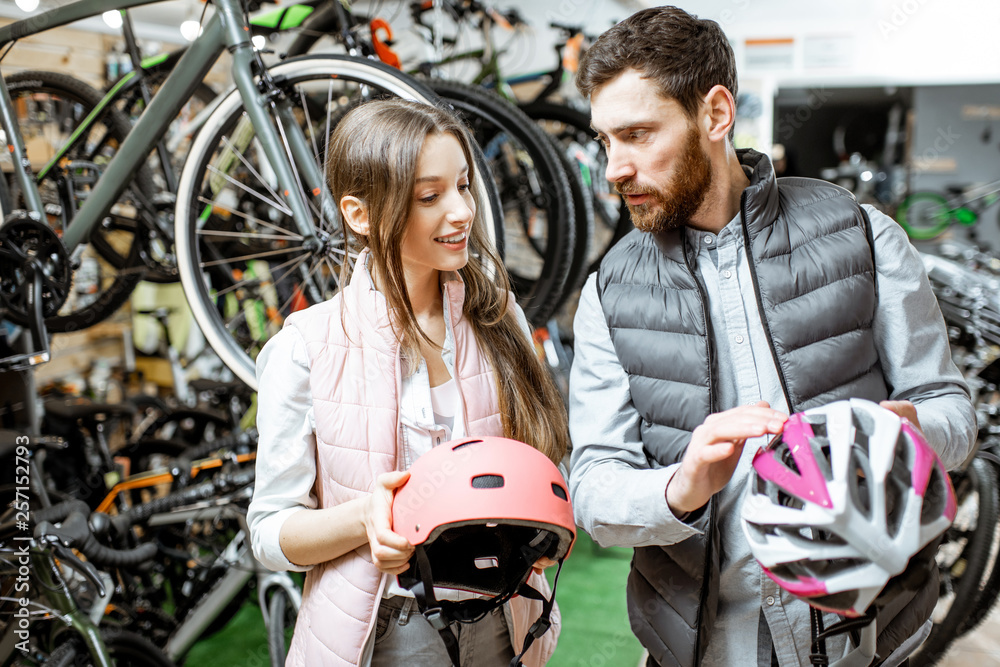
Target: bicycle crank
(27,248)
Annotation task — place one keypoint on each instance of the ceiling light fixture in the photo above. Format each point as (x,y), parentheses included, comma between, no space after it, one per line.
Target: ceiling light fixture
(27,5)
(113,18)
(190,30)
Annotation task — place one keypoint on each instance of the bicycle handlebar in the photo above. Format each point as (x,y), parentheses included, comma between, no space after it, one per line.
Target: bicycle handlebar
(230,441)
(74,532)
(221,483)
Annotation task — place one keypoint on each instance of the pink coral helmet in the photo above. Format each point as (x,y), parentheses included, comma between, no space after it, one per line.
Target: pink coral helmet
(483,508)
(481,512)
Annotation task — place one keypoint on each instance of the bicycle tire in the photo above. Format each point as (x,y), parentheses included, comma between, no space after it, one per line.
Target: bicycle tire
(538,273)
(279,611)
(924,215)
(970,539)
(570,124)
(115,279)
(206,259)
(990,589)
(583,207)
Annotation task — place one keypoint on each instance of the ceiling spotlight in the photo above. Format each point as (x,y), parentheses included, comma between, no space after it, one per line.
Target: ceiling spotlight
(113,18)
(27,5)
(258,41)
(190,30)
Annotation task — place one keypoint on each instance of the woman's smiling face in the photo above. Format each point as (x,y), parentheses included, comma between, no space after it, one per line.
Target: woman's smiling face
(442,210)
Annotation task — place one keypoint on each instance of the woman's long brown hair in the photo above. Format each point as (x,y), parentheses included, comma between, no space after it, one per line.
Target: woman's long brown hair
(373,156)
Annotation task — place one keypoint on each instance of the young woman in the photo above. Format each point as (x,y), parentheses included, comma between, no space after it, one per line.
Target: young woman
(425,344)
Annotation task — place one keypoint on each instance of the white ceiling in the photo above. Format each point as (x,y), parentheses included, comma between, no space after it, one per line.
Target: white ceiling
(891,41)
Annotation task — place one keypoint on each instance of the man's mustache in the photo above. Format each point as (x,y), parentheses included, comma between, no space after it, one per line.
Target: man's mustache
(633,188)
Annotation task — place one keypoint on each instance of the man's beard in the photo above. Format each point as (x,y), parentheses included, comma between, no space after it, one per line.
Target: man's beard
(686,191)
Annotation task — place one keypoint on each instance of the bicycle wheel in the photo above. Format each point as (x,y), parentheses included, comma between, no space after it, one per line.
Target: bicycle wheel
(989,587)
(242,261)
(539,229)
(924,215)
(51,107)
(572,128)
(583,208)
(281,614)
(962,558)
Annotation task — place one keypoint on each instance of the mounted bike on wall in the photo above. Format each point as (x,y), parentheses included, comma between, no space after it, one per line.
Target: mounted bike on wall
(927,215)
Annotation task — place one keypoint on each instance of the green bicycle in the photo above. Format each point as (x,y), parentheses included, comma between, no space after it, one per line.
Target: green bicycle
(927,215)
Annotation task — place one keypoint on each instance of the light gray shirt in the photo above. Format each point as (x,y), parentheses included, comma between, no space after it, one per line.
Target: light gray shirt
(619,500)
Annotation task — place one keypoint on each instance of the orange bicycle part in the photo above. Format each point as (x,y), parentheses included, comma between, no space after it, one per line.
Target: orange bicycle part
(382,50)
(163,476)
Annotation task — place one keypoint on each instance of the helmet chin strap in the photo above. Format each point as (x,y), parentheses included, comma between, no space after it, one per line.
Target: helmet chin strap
(864,651)
(441,613)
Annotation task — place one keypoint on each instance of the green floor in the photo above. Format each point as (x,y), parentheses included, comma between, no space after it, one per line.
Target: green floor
(591,596)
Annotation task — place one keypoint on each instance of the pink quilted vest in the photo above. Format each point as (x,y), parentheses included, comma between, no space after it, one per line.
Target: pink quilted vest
(355,379)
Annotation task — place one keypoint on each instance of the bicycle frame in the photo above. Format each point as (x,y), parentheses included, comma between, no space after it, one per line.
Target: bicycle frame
(242,566)
(57,594)
(226,29)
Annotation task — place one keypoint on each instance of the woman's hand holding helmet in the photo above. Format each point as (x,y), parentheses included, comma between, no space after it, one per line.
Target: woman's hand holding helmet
(391,551)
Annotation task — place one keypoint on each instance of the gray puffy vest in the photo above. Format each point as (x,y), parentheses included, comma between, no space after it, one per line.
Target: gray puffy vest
(810,250)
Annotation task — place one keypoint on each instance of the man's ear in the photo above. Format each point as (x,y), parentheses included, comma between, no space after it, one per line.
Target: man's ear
(720,112)
(355,215)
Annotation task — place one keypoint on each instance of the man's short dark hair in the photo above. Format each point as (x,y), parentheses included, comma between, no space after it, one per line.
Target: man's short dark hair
(684,55)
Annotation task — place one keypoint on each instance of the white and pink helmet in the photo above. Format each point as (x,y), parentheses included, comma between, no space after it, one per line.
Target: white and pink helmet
(841,500)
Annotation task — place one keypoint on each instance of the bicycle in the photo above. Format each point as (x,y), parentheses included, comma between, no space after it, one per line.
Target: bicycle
(927,215)
(546,218)
(251,191)
(209,592)
(54,619)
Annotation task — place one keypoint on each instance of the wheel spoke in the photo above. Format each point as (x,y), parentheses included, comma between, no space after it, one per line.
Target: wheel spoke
(326,151)
(225,140)
(298,260)
(312,135)
(308,278)
(244,258)
(280,207)
(242,235)
(287,234)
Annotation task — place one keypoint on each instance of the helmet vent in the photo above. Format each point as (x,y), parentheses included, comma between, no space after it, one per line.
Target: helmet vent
(559,491)
(487,481)
(466,444)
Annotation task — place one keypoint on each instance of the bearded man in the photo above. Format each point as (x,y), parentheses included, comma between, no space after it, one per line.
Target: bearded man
(739,298)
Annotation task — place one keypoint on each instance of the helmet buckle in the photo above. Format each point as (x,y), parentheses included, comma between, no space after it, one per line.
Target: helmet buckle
(436,618)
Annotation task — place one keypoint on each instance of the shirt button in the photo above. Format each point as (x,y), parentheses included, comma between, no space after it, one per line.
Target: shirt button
(770,600)
(727,273)
(709,240)
(739,338)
